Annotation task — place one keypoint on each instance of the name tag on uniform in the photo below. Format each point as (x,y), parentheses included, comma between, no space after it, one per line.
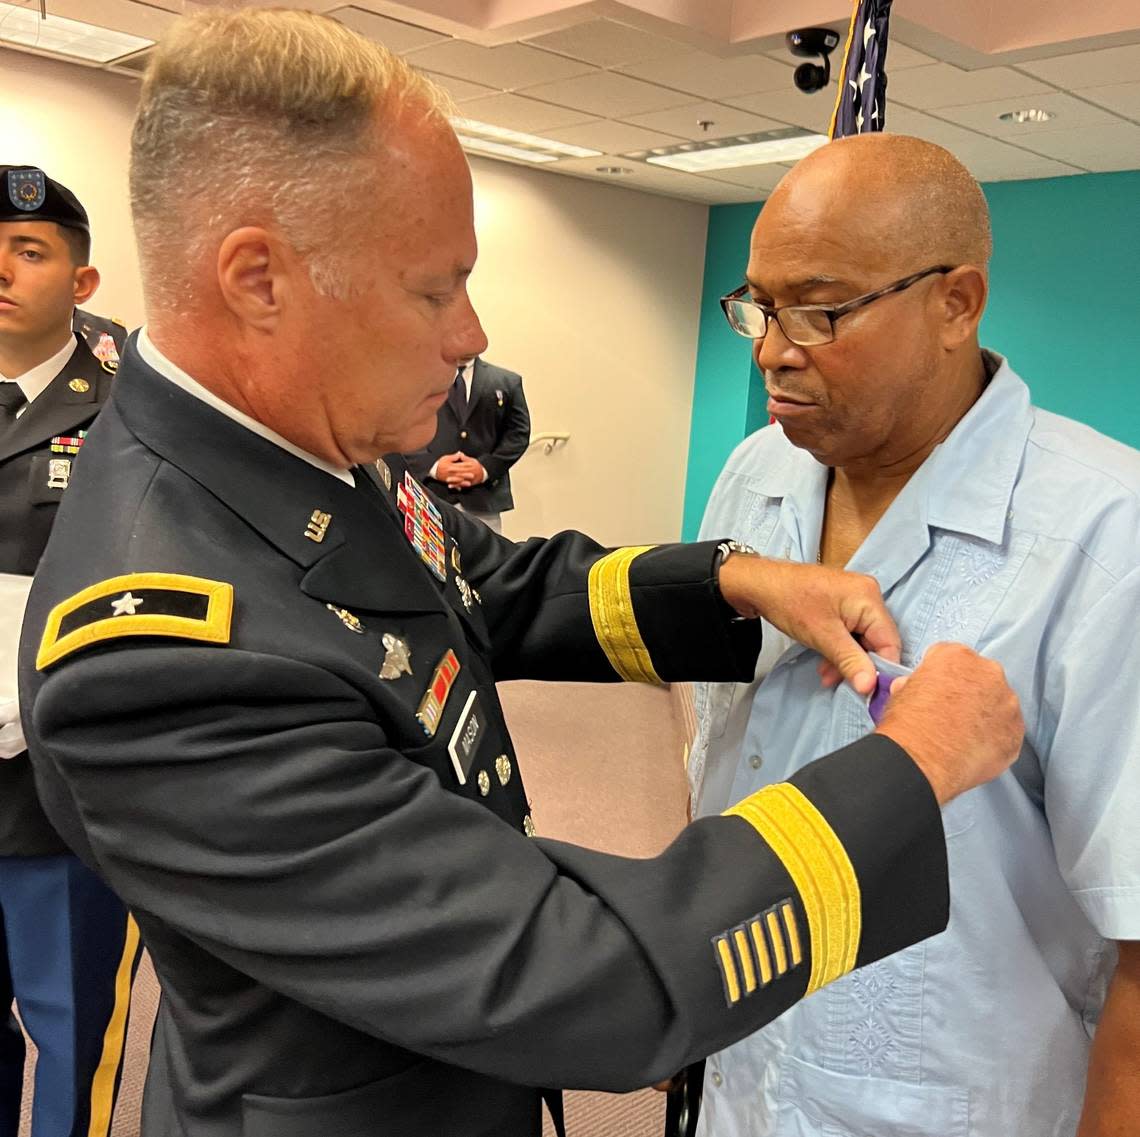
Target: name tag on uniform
(465,741)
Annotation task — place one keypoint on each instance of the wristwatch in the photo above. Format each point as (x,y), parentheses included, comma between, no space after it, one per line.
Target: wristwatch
(723,551)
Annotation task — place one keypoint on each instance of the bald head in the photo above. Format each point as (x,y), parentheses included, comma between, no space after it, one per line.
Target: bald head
(905,200)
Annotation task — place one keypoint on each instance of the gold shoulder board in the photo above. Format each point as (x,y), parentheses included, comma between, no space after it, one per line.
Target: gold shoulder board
(138,604)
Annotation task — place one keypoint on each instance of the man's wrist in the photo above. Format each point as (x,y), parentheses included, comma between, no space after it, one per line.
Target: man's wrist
(733,574)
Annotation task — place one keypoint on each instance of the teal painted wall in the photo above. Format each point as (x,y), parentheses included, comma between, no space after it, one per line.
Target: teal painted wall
(1064,307)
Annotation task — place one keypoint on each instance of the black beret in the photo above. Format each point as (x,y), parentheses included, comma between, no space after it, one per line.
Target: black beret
(28,194)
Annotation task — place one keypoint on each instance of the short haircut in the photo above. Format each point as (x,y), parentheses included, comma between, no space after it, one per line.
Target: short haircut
(78,244)
(261,118)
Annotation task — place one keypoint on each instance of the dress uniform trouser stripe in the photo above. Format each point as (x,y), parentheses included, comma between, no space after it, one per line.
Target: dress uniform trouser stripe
(611,611)
(114,1038)
(821,871)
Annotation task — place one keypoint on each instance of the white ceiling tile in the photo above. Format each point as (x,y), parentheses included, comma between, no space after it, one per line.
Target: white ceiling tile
(1124,98)
(1070,113)
(459,89)
(903,120)
(1089,68)
(812,112)
(1115,147)
(606,43)
(684,121)
(611,137)
(712,77)
(509,67)
(516,112)
(393,34)
(647,179)
(900,57)
(942,85)
(608,95)
(990,160)
(754,177)
(1018,166)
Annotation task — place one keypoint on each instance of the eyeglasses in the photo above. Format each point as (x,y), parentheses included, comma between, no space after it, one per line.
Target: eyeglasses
(806,325)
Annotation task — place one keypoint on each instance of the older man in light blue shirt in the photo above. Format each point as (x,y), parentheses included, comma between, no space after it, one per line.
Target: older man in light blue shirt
(903,451)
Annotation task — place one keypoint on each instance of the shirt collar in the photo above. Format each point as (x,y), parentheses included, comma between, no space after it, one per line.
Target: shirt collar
(970,478)
(168,370)
(37,379)
(965,485)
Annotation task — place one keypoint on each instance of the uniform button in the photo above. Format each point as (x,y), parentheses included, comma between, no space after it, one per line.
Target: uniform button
(463,434)
(756,761)
(717,1080)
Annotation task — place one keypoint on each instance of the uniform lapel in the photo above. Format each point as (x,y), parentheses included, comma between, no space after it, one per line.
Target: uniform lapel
(350,547)
(61,407)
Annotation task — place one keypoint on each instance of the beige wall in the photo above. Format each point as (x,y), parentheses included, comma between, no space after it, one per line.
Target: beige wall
(75,123)
(591,292)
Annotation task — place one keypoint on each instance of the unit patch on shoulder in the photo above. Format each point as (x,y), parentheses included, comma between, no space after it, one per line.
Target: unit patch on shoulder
(138,604)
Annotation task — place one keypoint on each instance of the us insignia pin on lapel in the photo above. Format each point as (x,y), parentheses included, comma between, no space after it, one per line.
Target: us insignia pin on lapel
(79,386)
(397,658)
(435,698)
(318,526)
(351,622)
(384,472)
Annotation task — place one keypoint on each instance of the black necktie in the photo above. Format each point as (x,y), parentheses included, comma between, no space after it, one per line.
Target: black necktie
(11,400)
(458,395)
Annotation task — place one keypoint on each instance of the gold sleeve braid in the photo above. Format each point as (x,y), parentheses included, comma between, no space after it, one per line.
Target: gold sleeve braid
(820,869)
(611,610)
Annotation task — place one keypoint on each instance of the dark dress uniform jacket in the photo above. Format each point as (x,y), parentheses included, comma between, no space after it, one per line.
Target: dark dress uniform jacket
(31,489)
(494,429)
(355,934)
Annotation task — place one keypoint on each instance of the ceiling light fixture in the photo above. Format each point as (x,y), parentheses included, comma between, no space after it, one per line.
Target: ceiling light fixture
(1030,114)
(25,27)
(785,145)
(485,137)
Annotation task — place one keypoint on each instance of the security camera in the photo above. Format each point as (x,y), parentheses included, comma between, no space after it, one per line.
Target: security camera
(809,43)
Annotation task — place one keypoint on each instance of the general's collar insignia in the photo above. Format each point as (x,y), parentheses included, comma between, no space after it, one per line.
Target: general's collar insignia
(79,386)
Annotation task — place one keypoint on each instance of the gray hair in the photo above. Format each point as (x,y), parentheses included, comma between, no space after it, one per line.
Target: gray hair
(261,118)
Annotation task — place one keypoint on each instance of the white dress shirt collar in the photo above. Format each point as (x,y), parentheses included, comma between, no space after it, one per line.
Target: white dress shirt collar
(36,381)
(158,362)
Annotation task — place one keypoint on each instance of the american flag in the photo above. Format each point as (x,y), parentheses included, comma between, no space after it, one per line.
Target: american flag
(862,102)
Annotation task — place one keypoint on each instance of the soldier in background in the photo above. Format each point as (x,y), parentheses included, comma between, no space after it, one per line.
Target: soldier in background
(69,947)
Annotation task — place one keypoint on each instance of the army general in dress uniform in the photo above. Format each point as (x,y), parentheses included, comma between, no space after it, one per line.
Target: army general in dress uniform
(259,666)
(69,947)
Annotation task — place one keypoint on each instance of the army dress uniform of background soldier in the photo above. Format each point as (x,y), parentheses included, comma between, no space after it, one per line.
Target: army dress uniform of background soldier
(485,420)
(69,946)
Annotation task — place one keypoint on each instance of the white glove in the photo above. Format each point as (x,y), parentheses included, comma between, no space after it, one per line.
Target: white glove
(11,733)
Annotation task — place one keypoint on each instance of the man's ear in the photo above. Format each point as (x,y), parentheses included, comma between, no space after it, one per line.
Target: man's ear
(962,294)
(85,281)
(255,274)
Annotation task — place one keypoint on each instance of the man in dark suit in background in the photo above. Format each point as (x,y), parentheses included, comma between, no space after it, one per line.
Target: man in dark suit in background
(69,948)
(481,432)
